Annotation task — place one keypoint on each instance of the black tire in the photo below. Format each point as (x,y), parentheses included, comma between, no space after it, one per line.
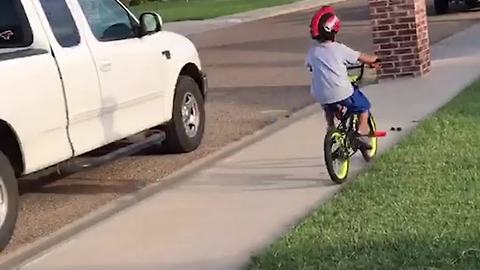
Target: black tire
(178,139)
(10,188)
(327,150)
(471,3)
(368,155)
(441,6)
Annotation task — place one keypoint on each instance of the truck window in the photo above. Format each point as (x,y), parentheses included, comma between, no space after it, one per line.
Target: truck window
(61,21)
(107,19)
(15,31)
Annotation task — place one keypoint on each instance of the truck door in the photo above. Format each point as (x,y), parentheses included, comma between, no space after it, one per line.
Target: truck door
(79,75)
(32,100)
(129,68)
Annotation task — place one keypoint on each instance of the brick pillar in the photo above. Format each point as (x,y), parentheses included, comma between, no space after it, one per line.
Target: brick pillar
(400,36)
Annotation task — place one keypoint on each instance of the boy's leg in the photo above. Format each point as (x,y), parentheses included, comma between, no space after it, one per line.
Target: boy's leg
(329,110)
(363,127)
(359,104)
(330,118)
(364,130)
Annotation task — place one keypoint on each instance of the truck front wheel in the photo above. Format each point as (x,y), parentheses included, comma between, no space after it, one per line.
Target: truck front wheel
(185,130)
(441,6)
(8,201)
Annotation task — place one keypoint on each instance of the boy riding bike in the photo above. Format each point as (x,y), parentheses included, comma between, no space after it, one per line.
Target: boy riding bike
(331,87)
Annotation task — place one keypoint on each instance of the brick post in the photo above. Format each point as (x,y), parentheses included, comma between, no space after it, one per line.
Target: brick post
(400,37)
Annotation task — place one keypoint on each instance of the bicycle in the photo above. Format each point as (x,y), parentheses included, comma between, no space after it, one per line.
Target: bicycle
(340,143)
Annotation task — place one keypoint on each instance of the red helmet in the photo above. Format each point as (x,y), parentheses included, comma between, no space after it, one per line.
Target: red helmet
(332,22)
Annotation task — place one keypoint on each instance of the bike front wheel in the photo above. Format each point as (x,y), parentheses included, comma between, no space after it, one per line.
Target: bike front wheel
(336,161)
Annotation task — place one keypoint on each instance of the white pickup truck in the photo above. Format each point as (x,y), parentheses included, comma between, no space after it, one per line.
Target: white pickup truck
(76,75)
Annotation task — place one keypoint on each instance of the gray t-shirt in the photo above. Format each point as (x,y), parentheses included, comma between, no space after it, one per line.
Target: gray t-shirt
(330,82)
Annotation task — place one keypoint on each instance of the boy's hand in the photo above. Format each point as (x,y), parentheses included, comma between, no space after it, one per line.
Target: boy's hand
(371,60)
(376,66)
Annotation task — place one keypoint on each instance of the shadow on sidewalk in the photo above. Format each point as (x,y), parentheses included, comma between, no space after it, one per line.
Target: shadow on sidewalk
(267,174)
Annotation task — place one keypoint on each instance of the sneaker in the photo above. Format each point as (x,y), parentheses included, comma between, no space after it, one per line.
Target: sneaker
(364,141)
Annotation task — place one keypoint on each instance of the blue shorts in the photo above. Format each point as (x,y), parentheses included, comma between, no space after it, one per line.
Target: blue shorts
(356,103)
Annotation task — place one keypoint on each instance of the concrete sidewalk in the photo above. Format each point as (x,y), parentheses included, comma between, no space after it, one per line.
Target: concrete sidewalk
(200,26)
(218,217)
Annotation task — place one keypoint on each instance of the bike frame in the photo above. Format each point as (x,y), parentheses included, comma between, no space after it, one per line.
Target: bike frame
(348,120)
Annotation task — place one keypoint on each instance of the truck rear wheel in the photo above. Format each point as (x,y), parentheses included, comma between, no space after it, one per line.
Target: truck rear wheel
(471,3)
(185,130)
(8,201)
(441,6)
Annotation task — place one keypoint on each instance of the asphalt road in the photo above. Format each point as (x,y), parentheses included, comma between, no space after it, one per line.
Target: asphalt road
(256,76)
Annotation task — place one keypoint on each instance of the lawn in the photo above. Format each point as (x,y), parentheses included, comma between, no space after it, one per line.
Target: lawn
(177,10)
(418,207)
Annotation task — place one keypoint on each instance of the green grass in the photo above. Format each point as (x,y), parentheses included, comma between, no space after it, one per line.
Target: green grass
(418,207)
(178,10)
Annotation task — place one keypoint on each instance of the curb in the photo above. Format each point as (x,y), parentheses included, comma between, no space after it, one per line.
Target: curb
(244,17)
(267,12)
(30,252)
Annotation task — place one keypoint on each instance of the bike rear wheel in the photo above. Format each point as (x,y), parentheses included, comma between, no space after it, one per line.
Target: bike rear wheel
(335,161)
(368,155)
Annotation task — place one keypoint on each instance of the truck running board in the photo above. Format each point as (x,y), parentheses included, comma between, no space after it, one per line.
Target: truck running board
(77,164)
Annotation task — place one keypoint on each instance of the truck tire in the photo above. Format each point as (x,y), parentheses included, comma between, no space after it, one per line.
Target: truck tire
(441,6)
(8,201)
(471,3)
(185,131)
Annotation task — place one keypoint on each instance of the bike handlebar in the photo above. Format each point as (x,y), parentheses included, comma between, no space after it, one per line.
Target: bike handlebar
(362,69)
(361,66)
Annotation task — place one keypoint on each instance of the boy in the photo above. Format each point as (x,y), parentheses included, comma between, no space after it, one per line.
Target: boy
(327,61)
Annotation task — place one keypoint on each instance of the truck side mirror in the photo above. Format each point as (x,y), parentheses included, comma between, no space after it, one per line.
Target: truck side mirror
(150,23)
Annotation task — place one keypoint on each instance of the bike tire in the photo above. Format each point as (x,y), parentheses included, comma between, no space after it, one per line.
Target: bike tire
(368,155)
(337,177)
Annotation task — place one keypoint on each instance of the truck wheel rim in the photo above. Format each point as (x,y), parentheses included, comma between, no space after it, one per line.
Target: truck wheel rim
(190,115)
(3,202)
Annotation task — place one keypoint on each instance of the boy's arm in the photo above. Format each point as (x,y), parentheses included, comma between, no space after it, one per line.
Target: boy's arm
(367,58)
(307,64)
(309,67)
(353,56)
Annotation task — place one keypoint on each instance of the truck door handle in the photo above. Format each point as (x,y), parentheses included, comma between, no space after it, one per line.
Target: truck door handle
(167,54)
(105,66)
